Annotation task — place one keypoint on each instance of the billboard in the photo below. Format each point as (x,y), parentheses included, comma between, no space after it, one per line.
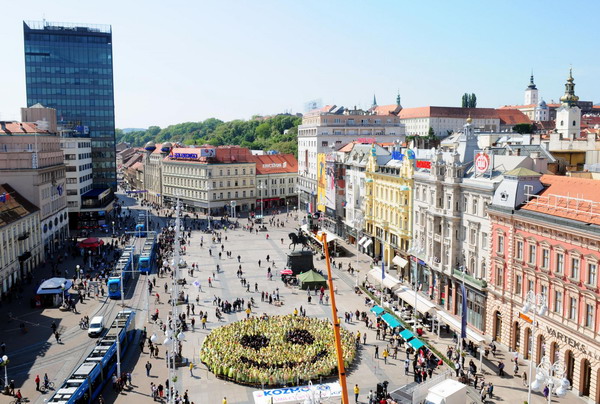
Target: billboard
(330,193)
(207,152)
(321,181)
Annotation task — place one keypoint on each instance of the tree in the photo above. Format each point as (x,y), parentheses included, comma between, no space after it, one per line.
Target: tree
(469,100)
(523,128)
(431,133)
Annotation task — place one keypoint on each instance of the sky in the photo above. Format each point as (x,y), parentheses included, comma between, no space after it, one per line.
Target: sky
(178,61)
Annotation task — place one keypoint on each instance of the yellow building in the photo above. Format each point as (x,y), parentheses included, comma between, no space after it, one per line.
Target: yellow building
(388,208)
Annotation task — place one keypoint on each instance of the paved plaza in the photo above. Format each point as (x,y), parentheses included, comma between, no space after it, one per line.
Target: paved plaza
(37,353)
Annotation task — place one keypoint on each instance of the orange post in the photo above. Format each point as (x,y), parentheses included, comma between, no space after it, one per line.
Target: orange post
(336,325)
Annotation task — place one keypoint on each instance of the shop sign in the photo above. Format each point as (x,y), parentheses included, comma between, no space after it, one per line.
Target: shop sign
(571,342)
(424,164)
(482,163)
(296,394)
(526,318)
(186,156)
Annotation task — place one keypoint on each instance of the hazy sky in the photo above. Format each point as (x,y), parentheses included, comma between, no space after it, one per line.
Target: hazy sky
(177,61)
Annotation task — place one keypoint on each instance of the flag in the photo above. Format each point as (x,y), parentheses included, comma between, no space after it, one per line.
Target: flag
(463,324)
(382,270)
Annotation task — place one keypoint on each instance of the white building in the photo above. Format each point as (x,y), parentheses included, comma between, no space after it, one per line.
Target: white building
(20,238)
(331,127)
(78,159)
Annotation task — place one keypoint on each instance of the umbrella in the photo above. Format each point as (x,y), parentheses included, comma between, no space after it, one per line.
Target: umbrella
(196,283)
(91,242)
(287,272)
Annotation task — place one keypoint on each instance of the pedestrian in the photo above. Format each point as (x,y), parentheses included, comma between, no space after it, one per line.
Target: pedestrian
(376,351)
(500,368)
(490,390)
(191,368)
(364,338)
(385,355)
(129,379)
(224,400)
(148,367)
(406,366)
(356,393)
(37,383)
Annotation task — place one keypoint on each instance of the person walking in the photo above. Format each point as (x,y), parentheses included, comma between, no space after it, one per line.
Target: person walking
(406,366)
(376,351)
(37,383)
(356,393)
(148,367)
(191,368)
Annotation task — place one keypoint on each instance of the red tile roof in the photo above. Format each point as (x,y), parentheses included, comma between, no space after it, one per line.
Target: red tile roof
(448,112)
(391,109)
(275,163)
(512,116)
(20,128)
(559,198)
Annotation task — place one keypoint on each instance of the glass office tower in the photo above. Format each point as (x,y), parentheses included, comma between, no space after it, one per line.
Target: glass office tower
(69,67)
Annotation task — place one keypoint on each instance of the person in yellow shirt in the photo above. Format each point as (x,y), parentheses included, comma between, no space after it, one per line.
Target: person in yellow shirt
(385,355)
(224,400)
(356,392)
(295,311)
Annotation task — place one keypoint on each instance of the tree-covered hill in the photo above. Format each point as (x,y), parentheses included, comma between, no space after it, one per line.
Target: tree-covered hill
(257,133)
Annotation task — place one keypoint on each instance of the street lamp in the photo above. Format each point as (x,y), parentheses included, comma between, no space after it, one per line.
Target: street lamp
(77,271)
(5,364)
(553,376)
(113,228)
(537,303)
(358,225)
(415,249)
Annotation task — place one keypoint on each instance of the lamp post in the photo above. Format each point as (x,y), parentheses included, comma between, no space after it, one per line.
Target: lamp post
(262,187)
(553,376)
(414,250)
(77,271)
(4,363)
(287,206)
(537,303)
(208,196)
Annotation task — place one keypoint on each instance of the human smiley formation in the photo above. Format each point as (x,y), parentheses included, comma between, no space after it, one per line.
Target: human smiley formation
(275,351)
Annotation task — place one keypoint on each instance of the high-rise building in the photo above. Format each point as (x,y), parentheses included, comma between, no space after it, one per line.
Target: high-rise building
(69,67)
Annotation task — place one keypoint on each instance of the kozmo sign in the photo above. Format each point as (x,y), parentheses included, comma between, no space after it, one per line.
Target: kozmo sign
(287,394)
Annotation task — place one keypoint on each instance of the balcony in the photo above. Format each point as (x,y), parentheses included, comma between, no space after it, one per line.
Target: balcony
(24,236)
(480,284)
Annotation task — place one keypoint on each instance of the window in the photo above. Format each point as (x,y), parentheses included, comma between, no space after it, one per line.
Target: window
(530,285)
(501,244)
(589,316)
(545,258)
(518,285)
(519,250)
(475,206)
(560,263)
(484,241)
(499,276)
(532,251)
(472,236)
(592,274)
(574,268)
(324,143)
(572,309)
(558,302)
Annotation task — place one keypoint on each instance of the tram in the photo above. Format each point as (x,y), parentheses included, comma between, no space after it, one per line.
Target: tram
(121,273)
(148,254)
(86,383)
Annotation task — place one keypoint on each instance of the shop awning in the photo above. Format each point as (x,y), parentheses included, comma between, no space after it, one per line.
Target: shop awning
(416,343)
(377,310)
(390,320)
(330,236)
(401,262)
(408,296)
(454,323)
(362,240)
(54,286)
(367,243)
(407,335)
(389,281)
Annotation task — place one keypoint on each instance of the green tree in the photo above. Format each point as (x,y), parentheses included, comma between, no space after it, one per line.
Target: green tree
(523,128)
(473,101)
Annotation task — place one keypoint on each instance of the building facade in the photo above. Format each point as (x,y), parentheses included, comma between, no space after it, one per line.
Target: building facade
(69,67)
(20,237)
(78,161)
(546,241)
(388,208)
(276,181)
(32,162)
(331,127)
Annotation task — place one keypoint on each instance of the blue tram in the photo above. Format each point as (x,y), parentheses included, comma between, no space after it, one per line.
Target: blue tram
(86,383)
(148,254)
(122,271)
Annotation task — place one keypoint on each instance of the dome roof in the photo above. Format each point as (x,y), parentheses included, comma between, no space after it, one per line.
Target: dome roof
(542,104)
(150,146)
(166,147)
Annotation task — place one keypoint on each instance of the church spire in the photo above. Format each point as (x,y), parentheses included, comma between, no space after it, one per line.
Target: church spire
(398,99)
(374,101)
(531,85)
(570,98)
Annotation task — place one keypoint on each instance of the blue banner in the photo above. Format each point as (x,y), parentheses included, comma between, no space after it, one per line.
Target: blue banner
(463,323)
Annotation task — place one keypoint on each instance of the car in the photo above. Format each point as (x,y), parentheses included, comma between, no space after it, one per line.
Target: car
(96,326)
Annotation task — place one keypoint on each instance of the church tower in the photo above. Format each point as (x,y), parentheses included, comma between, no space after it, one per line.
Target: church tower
(568,115)
(531,92)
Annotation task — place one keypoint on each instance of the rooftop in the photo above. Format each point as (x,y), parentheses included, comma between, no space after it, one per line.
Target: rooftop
(67,26)
(13,206)
(9,128)
(568,197)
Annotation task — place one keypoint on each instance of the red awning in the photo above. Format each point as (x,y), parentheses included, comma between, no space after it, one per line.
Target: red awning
(91,242)
(287,272)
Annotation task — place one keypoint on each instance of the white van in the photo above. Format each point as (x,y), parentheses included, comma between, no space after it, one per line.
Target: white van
(96,326)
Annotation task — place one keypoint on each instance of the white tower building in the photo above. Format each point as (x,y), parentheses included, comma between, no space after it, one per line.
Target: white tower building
(568,115)
(531,93)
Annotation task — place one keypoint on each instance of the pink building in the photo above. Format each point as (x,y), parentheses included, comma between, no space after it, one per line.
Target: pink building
(546,238)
